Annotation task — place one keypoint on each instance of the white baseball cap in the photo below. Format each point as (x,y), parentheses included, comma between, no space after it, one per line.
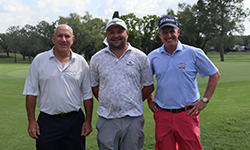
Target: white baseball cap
(116,21)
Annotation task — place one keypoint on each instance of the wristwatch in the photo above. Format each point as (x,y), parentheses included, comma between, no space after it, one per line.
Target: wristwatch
(205,100)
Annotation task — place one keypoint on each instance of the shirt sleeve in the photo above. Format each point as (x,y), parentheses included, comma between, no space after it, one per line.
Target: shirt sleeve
(31,86)
(204,65)
(146,73)
(94,77)
(86,88)
(151,64)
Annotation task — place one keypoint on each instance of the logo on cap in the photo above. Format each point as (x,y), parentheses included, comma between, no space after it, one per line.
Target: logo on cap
(167,20)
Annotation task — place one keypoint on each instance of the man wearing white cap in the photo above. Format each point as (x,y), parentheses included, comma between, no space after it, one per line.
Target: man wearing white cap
(177,101)
(121,79)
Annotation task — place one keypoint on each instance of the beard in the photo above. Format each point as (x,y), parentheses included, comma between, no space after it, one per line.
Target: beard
(121,46)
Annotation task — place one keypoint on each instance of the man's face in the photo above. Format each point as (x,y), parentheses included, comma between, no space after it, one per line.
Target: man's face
(169,36)
(63,38)
(117,37)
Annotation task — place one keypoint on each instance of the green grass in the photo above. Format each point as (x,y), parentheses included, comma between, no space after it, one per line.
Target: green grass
(224,123)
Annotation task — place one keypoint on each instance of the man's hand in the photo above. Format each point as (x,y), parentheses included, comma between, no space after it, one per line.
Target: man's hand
(153,106)
(33,129)
(211,86)
(198,107)
(151,103)
(86,129)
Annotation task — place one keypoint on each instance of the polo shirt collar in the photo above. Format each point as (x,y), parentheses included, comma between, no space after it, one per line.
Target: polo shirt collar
(128,49)
(178,48)
(51,54)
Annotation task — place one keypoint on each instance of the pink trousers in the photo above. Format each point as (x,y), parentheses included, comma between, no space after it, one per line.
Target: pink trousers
(176,131)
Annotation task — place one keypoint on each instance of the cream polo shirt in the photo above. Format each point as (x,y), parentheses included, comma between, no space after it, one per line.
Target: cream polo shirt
(58,90)
(120,82)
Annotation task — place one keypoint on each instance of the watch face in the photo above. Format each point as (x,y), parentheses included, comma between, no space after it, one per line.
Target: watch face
(205,100)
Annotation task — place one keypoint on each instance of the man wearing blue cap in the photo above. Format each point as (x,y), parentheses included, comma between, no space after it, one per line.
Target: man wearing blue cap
(121,79)
(177,101)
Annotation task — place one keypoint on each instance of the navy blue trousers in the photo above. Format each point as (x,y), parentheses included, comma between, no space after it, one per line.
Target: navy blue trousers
(61,133)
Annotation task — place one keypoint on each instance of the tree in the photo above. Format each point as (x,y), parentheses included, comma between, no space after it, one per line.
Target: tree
(115,15)
(45,31)
(143,33)
(196,24)
(245,39)
(228,16)
(206,24)
(31,41)
(149,33)
(133,23)
(14,39)
(3,43)
(75,22)
(95,34)
(238,40)
(24,40)
(188,19)
(88,32)
(229,42)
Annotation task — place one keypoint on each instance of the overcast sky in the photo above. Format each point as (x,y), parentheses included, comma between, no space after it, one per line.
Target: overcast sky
(22,12)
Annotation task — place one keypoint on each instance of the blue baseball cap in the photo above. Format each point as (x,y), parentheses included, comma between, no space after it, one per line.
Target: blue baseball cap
(167,20)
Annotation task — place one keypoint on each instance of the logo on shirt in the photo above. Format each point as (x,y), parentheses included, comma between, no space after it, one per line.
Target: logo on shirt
(74,73)
(182,66)
(130,63)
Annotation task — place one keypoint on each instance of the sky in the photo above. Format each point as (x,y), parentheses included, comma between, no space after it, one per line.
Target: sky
(22,12)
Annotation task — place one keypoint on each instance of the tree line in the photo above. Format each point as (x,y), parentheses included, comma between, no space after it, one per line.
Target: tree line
(208,23)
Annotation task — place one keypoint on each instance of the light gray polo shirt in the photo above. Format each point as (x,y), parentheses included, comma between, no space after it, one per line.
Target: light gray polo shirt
(120,81)
(58,90)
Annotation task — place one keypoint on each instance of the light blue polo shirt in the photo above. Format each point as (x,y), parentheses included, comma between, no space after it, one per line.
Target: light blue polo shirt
(177,74)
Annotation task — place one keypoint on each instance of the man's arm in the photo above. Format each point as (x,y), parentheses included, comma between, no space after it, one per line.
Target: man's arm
(87,127)
(95,91)
(151,103)
(88,106)
(211,86)
(146,91)
(33,126)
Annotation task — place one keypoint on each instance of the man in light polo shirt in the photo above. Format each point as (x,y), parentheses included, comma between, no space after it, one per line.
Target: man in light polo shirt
(59,80)
(177,101)
(118,73)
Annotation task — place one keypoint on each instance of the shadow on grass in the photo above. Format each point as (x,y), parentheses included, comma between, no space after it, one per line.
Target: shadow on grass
(11,58)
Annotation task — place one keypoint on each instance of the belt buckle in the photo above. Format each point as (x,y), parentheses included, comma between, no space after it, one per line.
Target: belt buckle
(62,114)
(174,110)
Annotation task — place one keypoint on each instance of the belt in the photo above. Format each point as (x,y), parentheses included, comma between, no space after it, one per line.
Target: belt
(176,110)
(65,114)
(62,114)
